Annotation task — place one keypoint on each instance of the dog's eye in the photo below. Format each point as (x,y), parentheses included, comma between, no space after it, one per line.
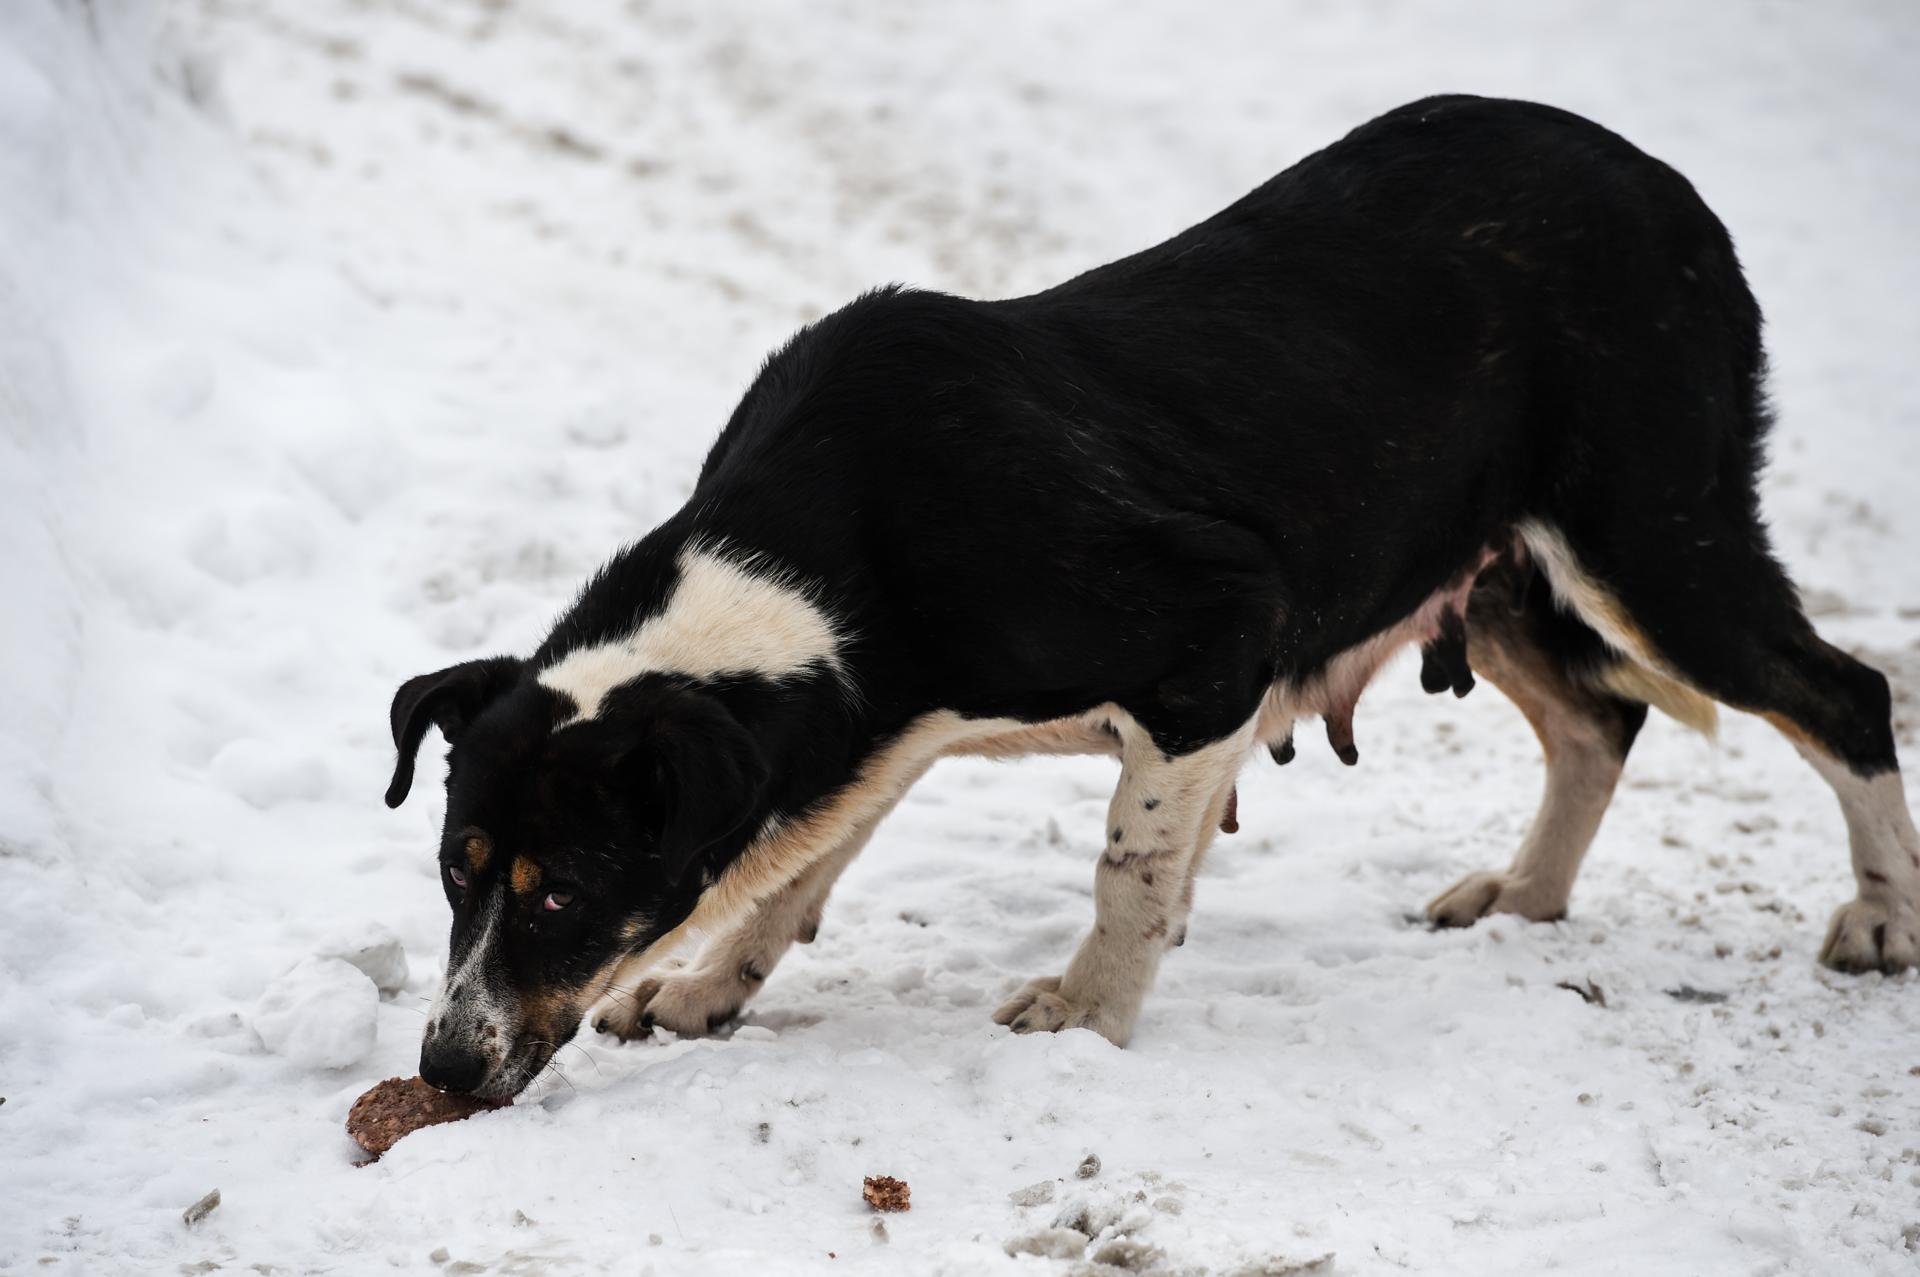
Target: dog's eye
(557,900)
(458,876)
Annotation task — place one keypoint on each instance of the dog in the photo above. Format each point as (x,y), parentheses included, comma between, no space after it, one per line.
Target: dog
(1480,376)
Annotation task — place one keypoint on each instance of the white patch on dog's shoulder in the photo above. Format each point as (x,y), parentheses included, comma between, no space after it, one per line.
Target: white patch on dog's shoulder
(726,615)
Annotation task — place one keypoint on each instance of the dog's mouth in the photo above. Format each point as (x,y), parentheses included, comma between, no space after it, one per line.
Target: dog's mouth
(525,1062)
(517,1070)
(533,1028)
(507,1073)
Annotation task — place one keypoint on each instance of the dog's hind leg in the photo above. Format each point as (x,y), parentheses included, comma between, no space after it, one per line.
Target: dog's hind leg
(1555,670)
(1879,930)
(1163,813)
(1717,612)
(732,967)
(1649,529)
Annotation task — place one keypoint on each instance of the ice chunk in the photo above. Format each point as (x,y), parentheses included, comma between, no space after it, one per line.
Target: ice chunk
(320,1014)
(375,950)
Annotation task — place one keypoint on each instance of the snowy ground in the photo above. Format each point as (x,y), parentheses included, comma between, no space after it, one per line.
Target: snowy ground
(340,338)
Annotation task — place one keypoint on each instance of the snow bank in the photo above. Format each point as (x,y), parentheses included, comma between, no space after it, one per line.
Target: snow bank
(55,139)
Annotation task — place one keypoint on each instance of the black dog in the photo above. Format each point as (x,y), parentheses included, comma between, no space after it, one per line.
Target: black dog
(1481,376)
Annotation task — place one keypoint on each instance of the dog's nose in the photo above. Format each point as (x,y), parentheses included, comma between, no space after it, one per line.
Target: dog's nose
(452,1066)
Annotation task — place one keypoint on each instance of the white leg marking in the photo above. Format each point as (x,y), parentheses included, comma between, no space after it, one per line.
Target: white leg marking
(732,967)
(1582,770)
(1162,814)
(1578,734)
(1879,930)
(779,855)
(834,832)
(784,851)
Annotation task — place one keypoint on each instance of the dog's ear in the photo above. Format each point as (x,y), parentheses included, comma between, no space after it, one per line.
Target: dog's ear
(686,759)
(448,699)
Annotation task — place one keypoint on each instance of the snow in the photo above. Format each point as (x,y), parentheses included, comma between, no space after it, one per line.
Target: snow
(321,1014)
(373,950)
(340,338)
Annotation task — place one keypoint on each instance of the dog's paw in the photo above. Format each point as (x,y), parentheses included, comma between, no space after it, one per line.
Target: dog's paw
(1040,1007)
(1873,935)
(621,1010)
(691,1003)
(1479,894)
(1013,1012)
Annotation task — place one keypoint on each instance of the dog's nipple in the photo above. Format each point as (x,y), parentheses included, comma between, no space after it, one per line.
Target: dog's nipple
(1443,658)
(1340,733)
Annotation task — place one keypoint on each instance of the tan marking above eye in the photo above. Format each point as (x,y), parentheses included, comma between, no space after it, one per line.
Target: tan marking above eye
(525,876)
(478,850)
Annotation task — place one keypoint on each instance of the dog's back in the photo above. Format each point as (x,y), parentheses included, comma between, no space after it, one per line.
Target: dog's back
(1320,403)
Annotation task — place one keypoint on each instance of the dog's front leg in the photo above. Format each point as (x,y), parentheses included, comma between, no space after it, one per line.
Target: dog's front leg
(700,997)
(1162,817)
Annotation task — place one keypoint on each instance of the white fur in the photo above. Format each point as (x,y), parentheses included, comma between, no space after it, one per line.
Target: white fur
(1655,682)
(732,966)
(727,615)
(1162,817)
(1581,594)
(793,867)
(467,1003)
(1582,771)
(1881,927)
(785,850)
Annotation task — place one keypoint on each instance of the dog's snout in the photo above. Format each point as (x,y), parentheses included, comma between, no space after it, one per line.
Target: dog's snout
(452,1065)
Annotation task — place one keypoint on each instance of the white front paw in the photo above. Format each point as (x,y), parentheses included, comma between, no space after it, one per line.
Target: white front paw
(1873,935)
(1040,1007)
(689,1002)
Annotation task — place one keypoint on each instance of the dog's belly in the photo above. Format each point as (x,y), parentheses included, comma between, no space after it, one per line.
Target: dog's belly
(1334,691)
(1330,693)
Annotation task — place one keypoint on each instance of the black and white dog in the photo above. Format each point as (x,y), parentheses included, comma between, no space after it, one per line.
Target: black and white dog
(1480,376)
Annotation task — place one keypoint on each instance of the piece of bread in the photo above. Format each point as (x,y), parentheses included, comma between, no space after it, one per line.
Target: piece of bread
(400,1106)
(884,1192)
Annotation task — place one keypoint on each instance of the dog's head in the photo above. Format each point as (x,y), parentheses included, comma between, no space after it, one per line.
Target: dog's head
(568,847)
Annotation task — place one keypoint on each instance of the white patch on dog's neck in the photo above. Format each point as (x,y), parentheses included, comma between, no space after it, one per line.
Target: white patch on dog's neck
(725,616)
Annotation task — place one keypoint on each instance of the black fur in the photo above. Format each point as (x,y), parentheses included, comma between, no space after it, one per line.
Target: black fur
(447,700)
(1188,474)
